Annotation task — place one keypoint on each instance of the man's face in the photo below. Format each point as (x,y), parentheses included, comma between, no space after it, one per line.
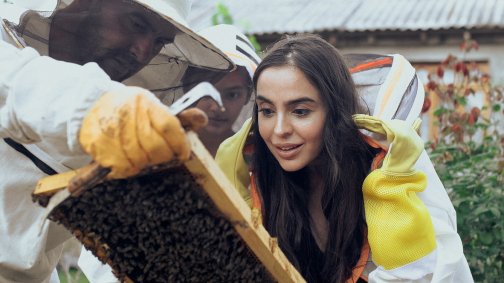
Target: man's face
(122,37)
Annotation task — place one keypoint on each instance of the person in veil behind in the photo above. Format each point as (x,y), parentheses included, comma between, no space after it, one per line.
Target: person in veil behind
(235,87)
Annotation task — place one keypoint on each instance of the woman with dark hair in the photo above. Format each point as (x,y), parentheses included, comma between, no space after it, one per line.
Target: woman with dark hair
(331,194)
(308,142)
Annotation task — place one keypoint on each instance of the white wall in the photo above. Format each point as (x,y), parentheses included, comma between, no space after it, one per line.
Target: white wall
(40,5)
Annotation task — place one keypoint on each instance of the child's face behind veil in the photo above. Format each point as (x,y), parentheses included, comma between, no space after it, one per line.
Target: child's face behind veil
(234,91)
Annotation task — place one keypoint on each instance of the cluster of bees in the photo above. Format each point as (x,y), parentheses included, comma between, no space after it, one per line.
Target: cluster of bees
(159,227)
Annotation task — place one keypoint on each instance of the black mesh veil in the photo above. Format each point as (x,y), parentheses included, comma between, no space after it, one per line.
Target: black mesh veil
(103,32)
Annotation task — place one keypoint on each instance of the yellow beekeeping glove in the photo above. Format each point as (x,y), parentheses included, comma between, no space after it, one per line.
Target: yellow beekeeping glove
(129,129)
(400,229)
(405,146)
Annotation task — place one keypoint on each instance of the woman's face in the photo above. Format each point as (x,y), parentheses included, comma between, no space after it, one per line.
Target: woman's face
(291,116)
(234,92)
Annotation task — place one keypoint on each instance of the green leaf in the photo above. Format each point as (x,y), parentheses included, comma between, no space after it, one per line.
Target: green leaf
(440,111)
(480,210)
(215,19)
(221,15)
(486,238)
(496,212)
(496,107)
(462,100)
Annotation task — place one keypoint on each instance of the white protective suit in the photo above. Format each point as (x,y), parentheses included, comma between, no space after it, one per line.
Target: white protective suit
(46,111)
(387,96)
(42,104)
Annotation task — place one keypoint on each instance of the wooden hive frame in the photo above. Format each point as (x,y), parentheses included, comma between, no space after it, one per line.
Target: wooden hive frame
(226,199)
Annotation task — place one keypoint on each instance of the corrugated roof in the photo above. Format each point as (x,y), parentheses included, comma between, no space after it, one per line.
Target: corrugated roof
(286,16)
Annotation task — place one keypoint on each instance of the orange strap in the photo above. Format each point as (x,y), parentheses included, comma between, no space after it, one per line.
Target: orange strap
(378,159)
(371,65)
(361,264)
(256,201)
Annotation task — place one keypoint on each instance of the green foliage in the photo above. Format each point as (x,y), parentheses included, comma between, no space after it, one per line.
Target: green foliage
(223,16)
(73,275)
(468,153)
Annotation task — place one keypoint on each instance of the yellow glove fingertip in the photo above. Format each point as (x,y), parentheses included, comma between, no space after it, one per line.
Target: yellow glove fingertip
(185,151)
(155,147)
(369,123)
(170,129)
(129,135)
(416,124)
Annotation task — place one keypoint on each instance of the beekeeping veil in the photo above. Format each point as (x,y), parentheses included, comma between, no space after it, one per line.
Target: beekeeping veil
(240,50)
(180,51)
(388,85)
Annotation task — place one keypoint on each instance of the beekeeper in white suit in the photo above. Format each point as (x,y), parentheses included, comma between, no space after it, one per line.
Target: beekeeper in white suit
(64,100)
(235,88)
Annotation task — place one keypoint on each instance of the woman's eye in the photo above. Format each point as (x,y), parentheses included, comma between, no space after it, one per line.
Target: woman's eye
(301,112)
(266,112)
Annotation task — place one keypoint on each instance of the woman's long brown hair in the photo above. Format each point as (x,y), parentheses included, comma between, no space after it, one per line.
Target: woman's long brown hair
(346,158)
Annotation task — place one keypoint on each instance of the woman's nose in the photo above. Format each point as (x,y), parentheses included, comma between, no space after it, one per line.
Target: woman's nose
(282,125)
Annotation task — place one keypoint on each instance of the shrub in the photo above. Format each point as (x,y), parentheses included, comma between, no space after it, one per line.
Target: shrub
(468,155)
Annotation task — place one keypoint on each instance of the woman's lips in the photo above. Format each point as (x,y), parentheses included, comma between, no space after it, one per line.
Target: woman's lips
(288,151)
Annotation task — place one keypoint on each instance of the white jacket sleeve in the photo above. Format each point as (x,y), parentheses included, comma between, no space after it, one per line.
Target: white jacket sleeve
(42,101)
(451,264)
(447,262)
(45,100)
(95,271)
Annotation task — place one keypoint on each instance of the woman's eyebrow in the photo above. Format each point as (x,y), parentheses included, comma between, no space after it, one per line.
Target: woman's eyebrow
(290,102)
(300,100)
(264,99)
